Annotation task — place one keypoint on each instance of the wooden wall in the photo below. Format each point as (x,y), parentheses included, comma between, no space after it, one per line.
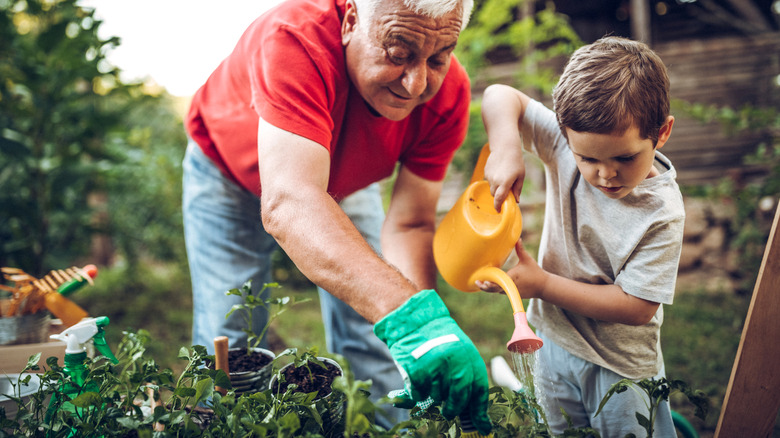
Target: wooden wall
(732,71)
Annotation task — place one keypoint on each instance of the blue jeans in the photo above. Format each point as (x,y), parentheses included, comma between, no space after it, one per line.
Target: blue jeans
(565,381)
(227,245)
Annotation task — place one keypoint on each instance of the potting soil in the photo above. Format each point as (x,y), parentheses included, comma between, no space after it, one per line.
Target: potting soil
(310,379)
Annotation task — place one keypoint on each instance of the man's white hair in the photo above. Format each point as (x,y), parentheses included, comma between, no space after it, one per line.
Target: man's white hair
(429,8)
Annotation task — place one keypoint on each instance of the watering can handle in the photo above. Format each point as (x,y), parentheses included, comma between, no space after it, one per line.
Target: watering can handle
(479,168)
(501,278)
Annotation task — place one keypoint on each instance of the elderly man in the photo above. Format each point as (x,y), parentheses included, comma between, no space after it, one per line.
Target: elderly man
(319,100)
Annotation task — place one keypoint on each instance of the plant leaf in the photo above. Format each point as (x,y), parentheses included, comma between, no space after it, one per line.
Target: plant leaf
(87,399)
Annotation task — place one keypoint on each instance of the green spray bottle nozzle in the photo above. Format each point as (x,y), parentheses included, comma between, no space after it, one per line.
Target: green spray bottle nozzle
(89,329)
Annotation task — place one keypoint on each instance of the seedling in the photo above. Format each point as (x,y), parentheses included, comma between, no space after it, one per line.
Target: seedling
(657,391)
(274,306)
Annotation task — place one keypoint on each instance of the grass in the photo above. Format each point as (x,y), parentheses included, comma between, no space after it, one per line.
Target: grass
(700,338)
(700,334)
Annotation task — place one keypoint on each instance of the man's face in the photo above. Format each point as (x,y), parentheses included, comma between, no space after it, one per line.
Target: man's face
(615,164)
(398,59)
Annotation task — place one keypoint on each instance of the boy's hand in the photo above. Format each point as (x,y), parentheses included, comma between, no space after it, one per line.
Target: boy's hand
(505,172)
(528,276)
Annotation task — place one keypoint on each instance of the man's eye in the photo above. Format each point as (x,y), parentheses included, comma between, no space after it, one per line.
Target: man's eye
(626,159)
(437,61)
(587,160)
(397,55)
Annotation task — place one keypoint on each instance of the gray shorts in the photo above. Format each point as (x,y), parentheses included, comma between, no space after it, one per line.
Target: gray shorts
(566,381)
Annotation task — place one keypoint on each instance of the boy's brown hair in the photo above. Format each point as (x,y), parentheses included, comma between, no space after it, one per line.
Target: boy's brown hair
(610,85)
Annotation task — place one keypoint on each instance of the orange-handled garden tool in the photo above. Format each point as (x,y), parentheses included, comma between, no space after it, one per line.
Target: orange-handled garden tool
(30,295)
(474,240)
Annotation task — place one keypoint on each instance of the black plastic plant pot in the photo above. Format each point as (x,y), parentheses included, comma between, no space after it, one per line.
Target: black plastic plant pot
(312,377)
(250,381)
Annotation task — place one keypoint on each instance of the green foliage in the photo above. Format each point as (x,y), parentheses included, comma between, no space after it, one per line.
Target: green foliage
(305,359)
(750,226)
(136,397)
(143,185)
(516,414)
(155,297)
(532,43)
(52,120)
(656,391)
(530,40)
(70,143)
(252,300)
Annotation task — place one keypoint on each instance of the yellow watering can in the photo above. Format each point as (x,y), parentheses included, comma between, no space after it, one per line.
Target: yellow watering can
(474,240)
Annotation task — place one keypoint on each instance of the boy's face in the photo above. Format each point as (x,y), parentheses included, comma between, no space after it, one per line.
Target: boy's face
(615,164)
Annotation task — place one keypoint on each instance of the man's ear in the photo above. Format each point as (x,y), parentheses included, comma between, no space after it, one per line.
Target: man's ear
(349,23)
(665,132)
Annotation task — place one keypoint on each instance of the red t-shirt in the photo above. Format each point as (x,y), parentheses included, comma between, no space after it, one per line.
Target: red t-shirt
(289,68)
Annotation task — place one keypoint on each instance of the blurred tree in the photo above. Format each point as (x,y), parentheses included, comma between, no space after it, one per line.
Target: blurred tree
(142,214)
(67,133)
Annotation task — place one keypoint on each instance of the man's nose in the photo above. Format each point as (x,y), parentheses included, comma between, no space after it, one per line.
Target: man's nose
(415,79)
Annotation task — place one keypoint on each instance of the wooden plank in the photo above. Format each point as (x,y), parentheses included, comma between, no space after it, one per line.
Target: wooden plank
(703,46)
(13,358)
(753,394)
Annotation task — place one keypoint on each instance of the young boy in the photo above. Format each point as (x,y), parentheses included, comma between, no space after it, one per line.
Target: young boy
(612,232)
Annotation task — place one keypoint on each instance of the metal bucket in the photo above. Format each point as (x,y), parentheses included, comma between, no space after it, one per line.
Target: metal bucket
(25,329)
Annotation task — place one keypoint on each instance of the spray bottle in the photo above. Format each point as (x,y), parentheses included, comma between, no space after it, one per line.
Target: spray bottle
(77,337)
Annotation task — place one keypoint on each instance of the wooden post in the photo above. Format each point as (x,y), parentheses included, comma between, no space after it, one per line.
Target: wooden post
(753,395)
(221,358)
(640,21)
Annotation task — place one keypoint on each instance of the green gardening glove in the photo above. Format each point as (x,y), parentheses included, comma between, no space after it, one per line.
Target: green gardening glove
(436,358)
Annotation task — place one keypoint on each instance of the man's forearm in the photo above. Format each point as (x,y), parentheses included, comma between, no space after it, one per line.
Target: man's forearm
(411,251)
(328,249)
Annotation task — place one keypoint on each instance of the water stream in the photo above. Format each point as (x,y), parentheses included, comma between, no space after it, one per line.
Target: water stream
(524,365)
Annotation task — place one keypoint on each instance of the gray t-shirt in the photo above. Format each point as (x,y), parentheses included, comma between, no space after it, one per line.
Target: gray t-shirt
(633,242)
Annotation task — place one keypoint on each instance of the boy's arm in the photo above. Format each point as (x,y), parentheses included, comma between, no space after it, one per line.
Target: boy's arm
(605,302)
(503,108)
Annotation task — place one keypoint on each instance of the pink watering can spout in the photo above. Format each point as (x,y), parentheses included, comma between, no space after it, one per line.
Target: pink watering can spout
(474,240)
(523,340)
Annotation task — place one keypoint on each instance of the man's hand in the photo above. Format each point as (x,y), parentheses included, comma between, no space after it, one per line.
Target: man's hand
(436,358)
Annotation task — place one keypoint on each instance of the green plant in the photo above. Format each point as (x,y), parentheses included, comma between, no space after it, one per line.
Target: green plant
(656,391)
(516,413)
(252,300)
(187,405)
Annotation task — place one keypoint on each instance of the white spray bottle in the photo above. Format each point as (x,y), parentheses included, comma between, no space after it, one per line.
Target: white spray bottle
(76,338)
